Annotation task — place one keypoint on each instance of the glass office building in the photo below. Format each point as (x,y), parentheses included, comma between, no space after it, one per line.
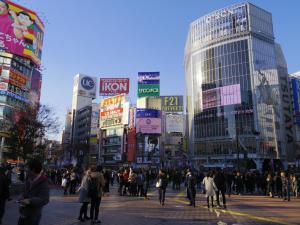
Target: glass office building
(236,86)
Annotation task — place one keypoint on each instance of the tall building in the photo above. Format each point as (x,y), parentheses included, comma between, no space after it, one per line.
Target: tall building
(21,41)
(84,91)
(238,104)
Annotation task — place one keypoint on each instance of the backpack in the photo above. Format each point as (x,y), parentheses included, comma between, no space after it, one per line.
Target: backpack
(93,190)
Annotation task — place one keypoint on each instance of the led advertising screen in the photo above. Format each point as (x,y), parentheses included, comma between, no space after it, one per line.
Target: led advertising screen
(111,111)
(148,125)
(172,103)
(152,149)
(21,31)
(148,84)
(221,96)
(148,113)
(114,86)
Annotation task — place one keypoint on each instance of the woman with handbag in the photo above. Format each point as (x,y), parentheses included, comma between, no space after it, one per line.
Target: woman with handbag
(161,184)
(83,196)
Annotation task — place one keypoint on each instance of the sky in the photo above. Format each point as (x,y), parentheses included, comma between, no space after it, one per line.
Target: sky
(119,38)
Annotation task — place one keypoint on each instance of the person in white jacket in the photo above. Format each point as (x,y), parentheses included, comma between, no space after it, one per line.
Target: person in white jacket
(210,188)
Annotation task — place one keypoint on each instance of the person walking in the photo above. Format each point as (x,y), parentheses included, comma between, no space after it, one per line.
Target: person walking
(286,186)
(95,192)
(270,185)
(191,187)
(4,192)
(210,188)
(295,184)
(220,182)
(83,196)
(161,184)
(146,183)
(35,195)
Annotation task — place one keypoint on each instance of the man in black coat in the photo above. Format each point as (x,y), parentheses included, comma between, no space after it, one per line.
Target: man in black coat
(4,192)
(191,187)
(35,195)
(220,182)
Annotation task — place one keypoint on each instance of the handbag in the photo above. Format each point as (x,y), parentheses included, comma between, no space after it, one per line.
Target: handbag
(64,182)
(158,183)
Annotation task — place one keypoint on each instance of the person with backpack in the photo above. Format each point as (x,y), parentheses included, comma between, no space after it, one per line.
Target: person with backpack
(95,192)
(83,196)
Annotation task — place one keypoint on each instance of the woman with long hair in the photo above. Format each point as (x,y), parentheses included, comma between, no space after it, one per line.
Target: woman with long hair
(83,196)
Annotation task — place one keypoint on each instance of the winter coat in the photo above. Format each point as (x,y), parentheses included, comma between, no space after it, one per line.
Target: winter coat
(38,194)
(100,180)
(210,186)
(220,181)
(164,181)
(4,187)
(83,190)
(191,181)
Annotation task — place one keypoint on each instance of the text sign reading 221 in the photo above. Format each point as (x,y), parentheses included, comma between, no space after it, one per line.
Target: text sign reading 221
(172,103)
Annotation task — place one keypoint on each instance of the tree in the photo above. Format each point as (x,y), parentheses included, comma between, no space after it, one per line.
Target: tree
(28,132)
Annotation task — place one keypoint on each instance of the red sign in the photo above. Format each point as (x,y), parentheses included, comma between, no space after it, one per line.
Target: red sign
(114,86)
(131,145)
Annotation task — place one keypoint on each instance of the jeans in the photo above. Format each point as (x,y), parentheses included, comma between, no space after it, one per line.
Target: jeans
(83,210)
(95,204)
(192,196)
(223,196)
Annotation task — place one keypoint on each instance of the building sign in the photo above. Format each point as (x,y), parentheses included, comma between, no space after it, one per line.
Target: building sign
(3,86)
(132,117)
(15,96)
(85,86)
(148,84)
(21,31)
(174,123)
(148,113)
(148,125)
(17,79)
(114,86)
(221,96)
(172,103)
(111,111)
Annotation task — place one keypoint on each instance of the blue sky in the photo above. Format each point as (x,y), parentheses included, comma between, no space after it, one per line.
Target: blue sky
(119,38)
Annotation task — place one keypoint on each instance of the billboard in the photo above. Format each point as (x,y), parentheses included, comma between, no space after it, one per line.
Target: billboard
(111,111)
(148,125)
(21,31)
(85,86)
(221,96)
(148,84)
(172,103)
(174,123)
(152,149)
(114,86)
(132,118)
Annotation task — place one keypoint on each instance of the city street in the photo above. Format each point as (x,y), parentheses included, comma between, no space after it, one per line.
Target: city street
(137,211)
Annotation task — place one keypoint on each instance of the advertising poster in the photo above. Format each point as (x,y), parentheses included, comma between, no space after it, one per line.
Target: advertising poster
(132,117)
(152,148)
(172,103)
(111,111)
(148,125)
(114,86)
(21,31)
(174,123)
(148,84)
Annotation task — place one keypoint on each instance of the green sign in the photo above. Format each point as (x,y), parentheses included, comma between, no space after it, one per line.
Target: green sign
(145,90)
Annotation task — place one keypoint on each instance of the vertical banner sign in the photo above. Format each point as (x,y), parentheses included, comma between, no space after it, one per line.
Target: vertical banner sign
(148,84)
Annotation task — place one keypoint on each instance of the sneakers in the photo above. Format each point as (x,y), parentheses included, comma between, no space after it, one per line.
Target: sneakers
(95,221)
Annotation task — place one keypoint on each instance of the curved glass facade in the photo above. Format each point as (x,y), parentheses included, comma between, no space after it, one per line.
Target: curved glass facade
(233,87)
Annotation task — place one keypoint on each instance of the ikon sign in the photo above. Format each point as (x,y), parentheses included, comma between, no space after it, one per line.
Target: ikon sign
(114,86)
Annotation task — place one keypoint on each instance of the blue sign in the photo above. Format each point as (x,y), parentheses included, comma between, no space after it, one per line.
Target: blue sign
(18,97)
(148,78)
(148,113)
(87,83)
(295,89)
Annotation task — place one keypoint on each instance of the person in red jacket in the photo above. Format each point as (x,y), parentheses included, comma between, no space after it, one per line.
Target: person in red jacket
(125,179)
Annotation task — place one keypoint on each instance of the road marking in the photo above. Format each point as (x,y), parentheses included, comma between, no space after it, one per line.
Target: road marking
(235,213)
